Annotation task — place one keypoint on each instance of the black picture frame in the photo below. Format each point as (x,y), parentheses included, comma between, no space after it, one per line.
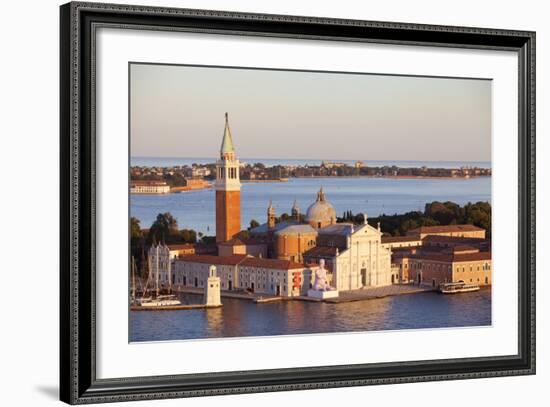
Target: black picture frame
(78,382)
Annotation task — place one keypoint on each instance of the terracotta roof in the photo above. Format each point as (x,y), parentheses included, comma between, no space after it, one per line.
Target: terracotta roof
(320,251)
(181,246)
(232,260)
(233,242)
(243,260)
(242,242)
(446,228)
(452,239)
(271,263)
(263,228)
(458,249)
(451,258)
(296,230)
(472,256)
(395,239)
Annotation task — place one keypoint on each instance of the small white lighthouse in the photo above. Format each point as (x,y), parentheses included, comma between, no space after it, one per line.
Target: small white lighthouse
(212,294)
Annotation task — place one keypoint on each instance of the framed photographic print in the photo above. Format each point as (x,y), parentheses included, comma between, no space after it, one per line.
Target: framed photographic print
(257,203)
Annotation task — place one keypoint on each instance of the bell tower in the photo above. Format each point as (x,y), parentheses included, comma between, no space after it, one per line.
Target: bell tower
(270,215)
(228,189)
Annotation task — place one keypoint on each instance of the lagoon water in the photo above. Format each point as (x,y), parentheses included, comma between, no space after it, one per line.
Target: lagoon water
(240,318)
(375,196)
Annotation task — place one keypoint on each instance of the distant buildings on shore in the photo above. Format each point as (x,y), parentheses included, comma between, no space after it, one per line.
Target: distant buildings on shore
(149,187)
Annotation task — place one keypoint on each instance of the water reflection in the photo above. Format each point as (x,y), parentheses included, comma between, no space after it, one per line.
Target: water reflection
(244,318)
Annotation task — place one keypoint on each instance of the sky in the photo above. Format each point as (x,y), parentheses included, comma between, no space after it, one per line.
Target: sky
(178,111)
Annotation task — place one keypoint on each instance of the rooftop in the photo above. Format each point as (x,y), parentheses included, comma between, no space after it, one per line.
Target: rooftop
(296,230)
(322,252)
(232,260)
(243,260)
(275,264)
(396,239)
(446,228)
(451,258)
(263,228)
(452,239)
(345,229)
(181,246)
(236,241)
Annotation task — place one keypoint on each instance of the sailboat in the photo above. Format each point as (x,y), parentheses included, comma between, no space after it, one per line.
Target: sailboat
(158,300)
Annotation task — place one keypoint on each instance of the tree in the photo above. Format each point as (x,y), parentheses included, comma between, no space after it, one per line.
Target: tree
(188,235)
(254,224)
(163,228)
(208,240)
(435,213)
(135,228)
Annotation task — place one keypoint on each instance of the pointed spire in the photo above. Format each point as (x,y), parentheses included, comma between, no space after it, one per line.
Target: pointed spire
(270,215)
(295,211)
(320,195)
(227,142)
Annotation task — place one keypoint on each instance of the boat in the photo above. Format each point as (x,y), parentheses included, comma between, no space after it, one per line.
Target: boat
(159,301)
(151,301)
(456,288)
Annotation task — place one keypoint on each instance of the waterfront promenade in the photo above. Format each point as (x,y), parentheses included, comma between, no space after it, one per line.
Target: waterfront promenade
(378,292)
(344,296)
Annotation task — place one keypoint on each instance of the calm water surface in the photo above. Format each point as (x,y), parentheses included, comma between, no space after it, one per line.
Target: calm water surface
(244,318)
(375,196)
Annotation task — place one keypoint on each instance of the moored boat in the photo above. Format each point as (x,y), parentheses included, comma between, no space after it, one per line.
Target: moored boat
(160,301)
(456,288)
(152,301)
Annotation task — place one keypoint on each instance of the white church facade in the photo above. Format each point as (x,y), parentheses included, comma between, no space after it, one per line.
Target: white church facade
(355,256)
(364,262)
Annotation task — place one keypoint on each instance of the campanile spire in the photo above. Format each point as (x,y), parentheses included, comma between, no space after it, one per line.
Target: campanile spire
(227,149)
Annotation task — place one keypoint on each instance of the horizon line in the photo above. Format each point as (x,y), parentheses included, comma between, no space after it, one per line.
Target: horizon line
(305,158)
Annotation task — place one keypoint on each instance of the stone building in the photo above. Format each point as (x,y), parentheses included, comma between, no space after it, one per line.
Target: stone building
(399,242)
(181,249)
(160,266)
(237,245)
(354,255)
(292,241)
(455,264)
(149,187)
(245,273)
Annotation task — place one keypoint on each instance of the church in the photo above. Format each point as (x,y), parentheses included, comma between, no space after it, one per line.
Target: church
(353,254)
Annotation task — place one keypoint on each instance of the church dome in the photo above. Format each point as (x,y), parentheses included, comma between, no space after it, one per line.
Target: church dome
(321,213)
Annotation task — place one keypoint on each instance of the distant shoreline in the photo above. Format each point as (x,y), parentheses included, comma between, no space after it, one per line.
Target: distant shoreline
(145,161)
(395,176)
